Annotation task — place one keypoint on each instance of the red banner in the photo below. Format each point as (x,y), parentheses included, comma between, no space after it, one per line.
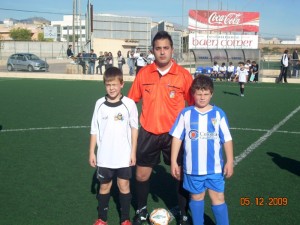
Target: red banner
(223,21)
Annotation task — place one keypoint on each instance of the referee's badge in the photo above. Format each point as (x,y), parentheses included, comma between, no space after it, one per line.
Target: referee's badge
(172,94)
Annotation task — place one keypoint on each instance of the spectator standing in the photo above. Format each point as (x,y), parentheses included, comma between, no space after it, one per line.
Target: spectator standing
(298,69)
(284,66)
(137,53)
(109,60)
(254,70)
(105,60)
(140,62)
(121,60)
(295,62)
(150,57)
(163,87)
(92,61)
(81,62)
(130,62)
(85,57)
(101,60)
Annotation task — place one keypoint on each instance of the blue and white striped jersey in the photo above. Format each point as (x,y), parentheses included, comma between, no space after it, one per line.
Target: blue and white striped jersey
(204,135)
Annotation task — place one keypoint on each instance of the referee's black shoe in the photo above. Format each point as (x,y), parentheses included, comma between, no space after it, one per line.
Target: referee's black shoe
(141,217)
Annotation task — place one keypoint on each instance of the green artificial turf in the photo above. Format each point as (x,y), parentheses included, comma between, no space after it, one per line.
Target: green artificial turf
(44,140)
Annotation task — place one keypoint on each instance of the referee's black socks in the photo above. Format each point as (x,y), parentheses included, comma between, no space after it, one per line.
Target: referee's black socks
(142,191)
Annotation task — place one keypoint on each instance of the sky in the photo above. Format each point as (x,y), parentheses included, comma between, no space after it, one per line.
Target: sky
(278,18)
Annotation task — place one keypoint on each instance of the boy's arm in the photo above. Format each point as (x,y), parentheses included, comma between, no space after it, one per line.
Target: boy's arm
(134,136)
(175,148)
(92,156)
(228,148)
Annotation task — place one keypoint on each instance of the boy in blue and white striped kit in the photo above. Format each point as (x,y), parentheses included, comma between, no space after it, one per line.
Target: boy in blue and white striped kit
(204,129)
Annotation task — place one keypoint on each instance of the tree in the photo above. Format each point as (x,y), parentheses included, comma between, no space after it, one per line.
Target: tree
(20,34)
(71,38)
(266,49)
(276,50)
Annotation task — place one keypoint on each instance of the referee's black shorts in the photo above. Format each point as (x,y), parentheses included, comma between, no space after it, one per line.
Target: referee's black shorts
(149,147)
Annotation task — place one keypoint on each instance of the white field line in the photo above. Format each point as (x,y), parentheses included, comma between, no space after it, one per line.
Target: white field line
(84,127)
(43,128)
(265,130)
(254,145)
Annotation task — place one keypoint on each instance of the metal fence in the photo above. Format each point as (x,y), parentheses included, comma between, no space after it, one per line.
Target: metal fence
(47,50)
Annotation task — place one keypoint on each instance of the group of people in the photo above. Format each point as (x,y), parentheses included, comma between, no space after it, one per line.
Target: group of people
(191,139)
(86,60)
(137,60)
(93,64)
(230,72)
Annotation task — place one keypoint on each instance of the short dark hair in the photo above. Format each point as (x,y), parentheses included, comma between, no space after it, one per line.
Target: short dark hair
(112,73)
(202,82)
(162,35)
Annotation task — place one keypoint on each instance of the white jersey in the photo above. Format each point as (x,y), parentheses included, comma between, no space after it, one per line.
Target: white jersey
(204,135)
(247,66)
(215,68)
(231,68)
(150,58)
(222,68)
(238,69)
(243,74)
(141,61)
(112,123)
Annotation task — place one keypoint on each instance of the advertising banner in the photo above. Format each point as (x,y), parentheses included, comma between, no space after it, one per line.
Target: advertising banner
(50,32)
(223,21)
(222,41)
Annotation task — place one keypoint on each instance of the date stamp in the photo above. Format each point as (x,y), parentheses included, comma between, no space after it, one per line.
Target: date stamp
(264,201)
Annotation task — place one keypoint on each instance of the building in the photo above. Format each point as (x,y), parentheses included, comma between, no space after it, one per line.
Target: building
(292,42)
(112,33)
(65,30)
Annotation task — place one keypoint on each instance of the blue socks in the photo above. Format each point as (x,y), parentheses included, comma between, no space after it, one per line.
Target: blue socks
(221,214)
(197,209)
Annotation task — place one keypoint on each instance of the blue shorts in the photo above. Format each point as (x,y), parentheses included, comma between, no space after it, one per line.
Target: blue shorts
(196,184)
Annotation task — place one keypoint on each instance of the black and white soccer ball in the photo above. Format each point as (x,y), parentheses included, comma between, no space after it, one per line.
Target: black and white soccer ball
(160,216)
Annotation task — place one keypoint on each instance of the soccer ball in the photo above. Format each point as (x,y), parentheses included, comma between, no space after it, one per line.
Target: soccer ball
(160,216)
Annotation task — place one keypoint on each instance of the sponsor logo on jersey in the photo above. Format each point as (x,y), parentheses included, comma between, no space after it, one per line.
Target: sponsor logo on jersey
(194,135)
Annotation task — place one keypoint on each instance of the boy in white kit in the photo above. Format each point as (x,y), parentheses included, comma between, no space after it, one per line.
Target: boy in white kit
(114,130)
(242,76)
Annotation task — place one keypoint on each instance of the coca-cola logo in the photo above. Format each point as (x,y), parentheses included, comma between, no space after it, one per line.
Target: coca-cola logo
(226,19)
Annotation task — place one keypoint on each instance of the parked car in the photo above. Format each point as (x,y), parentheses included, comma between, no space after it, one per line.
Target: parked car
(26,61)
